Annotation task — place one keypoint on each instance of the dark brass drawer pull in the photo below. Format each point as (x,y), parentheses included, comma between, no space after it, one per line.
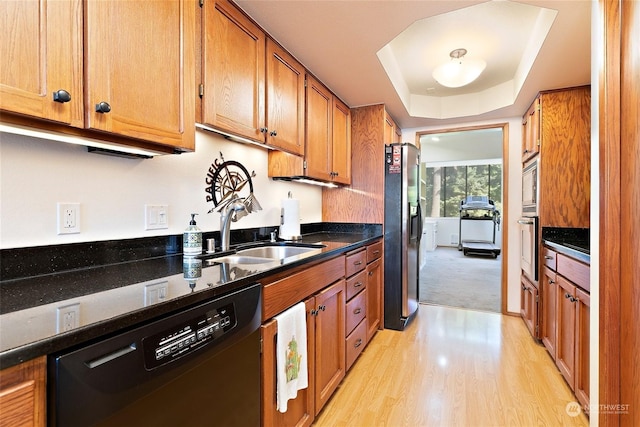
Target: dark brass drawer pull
(358,343)
(357,310)
(357,284)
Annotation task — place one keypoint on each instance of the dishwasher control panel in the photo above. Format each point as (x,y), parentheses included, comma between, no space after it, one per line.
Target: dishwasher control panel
(189,336)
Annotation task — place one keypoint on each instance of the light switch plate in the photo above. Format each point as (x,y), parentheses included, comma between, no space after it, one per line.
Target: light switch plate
(156,217)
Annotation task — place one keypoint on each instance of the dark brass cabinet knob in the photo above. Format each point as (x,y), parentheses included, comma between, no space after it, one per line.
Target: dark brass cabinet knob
(263,130)
(273,133)
(61,96)
(103,107)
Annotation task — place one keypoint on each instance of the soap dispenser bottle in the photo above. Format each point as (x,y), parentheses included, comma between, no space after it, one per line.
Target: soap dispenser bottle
(192,238)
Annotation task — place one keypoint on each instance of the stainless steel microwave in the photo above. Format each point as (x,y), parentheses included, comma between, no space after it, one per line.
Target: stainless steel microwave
(530,188)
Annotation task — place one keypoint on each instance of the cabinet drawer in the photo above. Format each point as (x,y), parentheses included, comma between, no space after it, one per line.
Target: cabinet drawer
(355,284)
(355,262)
(549,258)
(356,343)
(281,294)
(356,310)
(374,251)
(573,270)
(549,274)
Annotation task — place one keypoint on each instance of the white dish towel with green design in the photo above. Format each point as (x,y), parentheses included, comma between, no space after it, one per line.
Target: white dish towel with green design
(291,354)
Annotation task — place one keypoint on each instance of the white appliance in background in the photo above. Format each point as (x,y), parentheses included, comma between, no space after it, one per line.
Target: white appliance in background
(430,235)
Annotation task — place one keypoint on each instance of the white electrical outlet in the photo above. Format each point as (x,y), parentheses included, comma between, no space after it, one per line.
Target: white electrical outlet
(68,317)
(155,292)
(68,218)
(156,217)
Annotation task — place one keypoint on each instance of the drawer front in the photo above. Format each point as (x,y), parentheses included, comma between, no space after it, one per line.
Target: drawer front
(574,271)
(549,258)
(355,284)
(284,293)
(355,262)
(356,310)
(374,251)
(356,343)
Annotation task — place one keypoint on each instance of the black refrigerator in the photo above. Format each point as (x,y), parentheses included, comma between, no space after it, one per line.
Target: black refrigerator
(402,232)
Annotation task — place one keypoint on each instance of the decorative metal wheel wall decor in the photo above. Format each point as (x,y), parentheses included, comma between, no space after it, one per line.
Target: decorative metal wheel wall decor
(229,181)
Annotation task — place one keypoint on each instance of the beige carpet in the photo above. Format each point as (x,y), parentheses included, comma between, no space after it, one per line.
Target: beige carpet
(449,278)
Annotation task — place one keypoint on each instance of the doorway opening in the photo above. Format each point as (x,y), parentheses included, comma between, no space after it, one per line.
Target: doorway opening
(457,164)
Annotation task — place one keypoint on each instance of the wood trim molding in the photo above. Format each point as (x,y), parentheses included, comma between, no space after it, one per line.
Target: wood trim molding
(505,200)
(610,213)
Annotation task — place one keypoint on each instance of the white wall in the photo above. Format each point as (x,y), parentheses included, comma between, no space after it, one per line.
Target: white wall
(514,198)
(37,174)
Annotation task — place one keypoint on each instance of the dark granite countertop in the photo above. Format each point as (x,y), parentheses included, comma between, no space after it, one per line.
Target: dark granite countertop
(573,242)
(118,296)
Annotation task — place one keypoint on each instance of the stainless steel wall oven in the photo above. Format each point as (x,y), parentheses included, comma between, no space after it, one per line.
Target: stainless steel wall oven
(529,246)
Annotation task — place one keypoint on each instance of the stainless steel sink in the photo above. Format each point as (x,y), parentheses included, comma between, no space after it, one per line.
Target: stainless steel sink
(277,252)
(242,259)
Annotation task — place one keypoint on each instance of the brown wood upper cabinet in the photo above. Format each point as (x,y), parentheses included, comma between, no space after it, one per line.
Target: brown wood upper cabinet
(564,159)
(531,131)
(251,86)
(124,86)
(30,80)
(392,132)
(327,155)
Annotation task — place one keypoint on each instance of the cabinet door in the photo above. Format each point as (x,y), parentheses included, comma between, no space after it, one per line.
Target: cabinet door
(531,131)
(285,100)
(341,143)
(529,306)
(42,49)
(389,129)
(330,342)
(548,289)
(583,318)
(299,410)
(565,166)
(233,49)
(139,70)
(374,297)
(565,345)
(22,394)
(319,134)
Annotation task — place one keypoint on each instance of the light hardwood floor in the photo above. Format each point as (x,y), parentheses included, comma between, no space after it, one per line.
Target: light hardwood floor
(453,367)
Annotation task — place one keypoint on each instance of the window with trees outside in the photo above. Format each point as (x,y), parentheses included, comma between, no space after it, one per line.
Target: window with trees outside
(447,186)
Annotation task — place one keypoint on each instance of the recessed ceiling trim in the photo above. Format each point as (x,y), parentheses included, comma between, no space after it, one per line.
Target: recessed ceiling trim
(468,104)
(483,98)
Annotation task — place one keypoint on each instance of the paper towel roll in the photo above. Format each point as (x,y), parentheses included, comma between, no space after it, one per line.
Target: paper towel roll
(290,219)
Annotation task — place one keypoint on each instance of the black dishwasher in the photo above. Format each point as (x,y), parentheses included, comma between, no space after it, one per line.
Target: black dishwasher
(197,367)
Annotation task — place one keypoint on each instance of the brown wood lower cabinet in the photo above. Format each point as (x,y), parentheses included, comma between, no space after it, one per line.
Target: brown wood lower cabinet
(565,316)
(566,311)
(325,359)
(529,305)
(583,318)
(548,294)
(374,288)
(325,308)
(22,394)
(300,411)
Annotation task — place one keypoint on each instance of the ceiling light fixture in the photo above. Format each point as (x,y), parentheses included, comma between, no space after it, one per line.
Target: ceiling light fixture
(458,71)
